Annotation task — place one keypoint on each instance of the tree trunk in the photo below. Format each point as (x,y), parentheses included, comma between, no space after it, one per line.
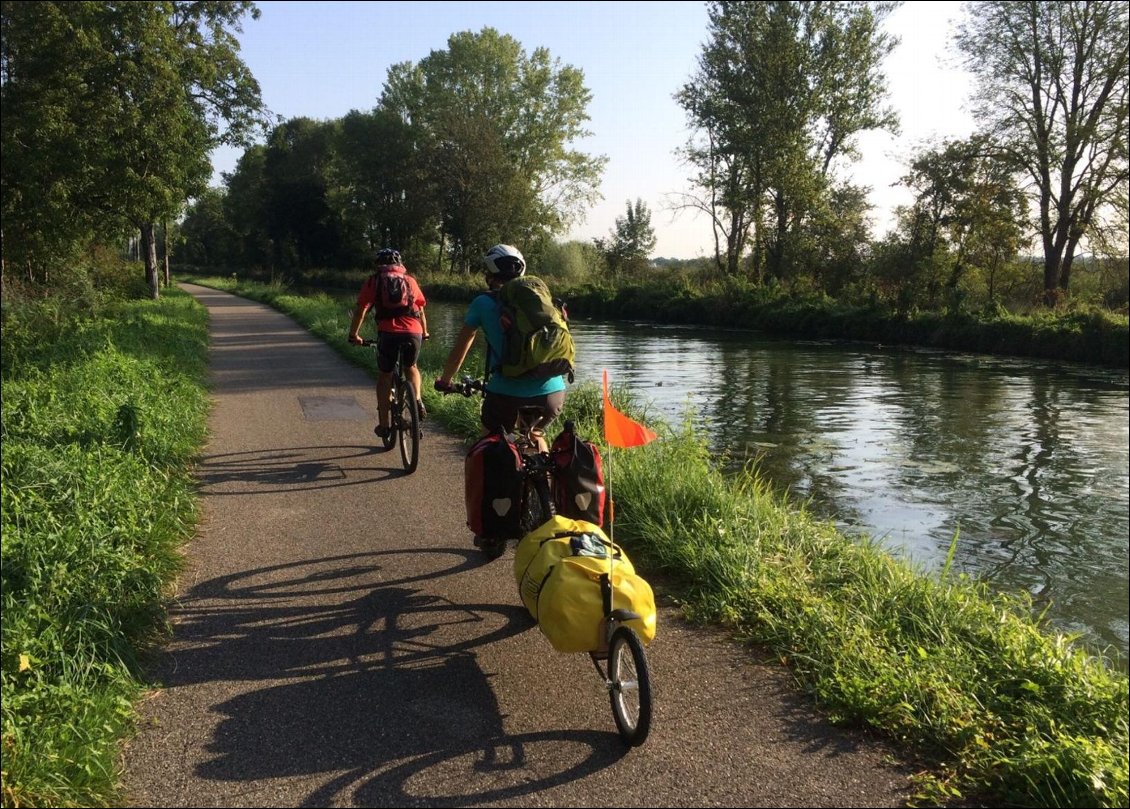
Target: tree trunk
(149,243)
(168,277)
(1051,279)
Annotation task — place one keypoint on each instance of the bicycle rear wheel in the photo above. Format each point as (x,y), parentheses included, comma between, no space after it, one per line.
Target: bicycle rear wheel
(535,504)
(629,685)
(408,425)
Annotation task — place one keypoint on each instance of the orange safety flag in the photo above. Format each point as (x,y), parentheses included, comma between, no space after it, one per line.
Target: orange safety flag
(619,430)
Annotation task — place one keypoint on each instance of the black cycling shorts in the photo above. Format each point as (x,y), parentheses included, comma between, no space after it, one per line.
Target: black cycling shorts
(388,343)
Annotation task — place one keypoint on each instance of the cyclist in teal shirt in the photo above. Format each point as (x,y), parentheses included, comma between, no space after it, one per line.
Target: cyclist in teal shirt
(504,395)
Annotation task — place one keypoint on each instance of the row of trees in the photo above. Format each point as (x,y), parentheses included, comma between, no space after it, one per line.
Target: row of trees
(111,112)
(466,148)
(782,89)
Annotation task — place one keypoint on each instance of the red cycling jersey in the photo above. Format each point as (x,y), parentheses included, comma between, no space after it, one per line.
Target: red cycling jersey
(405,324)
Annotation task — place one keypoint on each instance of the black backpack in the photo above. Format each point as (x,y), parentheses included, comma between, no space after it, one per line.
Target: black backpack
(395,297)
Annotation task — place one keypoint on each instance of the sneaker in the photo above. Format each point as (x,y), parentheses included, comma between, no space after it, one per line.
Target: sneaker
(423,411)
(381,432)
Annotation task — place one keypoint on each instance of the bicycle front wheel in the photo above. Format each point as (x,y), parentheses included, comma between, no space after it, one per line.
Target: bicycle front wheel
(629,685)
(408,424)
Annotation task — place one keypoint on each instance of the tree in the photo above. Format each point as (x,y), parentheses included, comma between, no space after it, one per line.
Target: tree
(381,173)
(493,127)
(245,207)
(209,240)
(303,227)
(968,200)
(631,240)
(1052,87)
(780,91)
(834,241)
(121,104)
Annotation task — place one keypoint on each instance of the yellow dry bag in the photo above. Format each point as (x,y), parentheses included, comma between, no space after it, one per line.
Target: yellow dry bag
(558,567)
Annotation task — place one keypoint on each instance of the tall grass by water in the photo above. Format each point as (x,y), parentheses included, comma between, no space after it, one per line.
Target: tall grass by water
(998,706)
(103,414)
(1084,333)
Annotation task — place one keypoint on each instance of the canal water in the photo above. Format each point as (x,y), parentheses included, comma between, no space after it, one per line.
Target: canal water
(1025,461)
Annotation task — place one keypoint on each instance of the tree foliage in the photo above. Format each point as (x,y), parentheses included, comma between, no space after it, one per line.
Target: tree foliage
(385,197)
(1052,88)
(632,238)
(494,127)
(780,92)
(110,113)
(967,216)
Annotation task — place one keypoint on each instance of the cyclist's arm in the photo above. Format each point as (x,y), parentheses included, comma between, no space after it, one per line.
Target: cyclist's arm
(359,313)
(463,342)
(424,323)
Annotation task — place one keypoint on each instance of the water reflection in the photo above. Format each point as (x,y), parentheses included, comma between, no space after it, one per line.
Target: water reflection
(1027,460)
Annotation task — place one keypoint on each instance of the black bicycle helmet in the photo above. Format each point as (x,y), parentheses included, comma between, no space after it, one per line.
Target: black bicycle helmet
(505,261)
(386,256)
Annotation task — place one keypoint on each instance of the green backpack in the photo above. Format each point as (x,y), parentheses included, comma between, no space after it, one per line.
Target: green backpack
(538,344)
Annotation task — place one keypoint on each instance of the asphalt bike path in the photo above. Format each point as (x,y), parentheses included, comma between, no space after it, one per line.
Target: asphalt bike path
(338,641)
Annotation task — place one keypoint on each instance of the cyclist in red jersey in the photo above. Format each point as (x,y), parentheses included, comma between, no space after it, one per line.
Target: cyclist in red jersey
(400,321)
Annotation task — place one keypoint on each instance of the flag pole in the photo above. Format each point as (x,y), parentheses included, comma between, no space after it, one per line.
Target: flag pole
(608,496)
(619,431)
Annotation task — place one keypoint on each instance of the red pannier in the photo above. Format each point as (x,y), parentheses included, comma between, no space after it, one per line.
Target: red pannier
(492,477)
(578,479)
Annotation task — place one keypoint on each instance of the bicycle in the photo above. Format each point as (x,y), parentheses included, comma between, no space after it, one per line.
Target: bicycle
(404,418)
(625,670)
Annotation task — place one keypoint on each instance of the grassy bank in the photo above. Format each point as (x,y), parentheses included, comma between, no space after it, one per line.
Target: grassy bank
(1004,709)
(102,415)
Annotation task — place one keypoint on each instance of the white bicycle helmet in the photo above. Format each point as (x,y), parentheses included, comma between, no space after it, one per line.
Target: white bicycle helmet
(505,261)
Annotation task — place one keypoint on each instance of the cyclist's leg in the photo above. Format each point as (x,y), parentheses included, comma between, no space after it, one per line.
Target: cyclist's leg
(384,393)
(551,404)
(499,412)
(412,344)
(386,362)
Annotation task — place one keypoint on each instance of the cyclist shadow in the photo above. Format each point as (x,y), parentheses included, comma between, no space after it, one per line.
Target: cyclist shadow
(290,469)
(378,679)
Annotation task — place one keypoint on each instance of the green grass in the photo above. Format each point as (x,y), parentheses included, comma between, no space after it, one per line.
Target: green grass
(101,420)
(1003,709)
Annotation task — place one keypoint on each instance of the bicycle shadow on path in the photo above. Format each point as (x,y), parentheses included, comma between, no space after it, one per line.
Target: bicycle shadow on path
(380,682)
(295,469)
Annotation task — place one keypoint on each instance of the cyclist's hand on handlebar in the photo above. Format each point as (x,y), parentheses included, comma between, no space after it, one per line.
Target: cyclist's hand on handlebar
(442,386)
(356,339)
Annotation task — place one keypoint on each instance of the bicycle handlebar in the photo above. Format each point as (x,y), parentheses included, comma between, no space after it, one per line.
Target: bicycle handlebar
(468,387)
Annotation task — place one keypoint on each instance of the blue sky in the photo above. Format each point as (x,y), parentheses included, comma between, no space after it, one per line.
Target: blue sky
(323,59)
